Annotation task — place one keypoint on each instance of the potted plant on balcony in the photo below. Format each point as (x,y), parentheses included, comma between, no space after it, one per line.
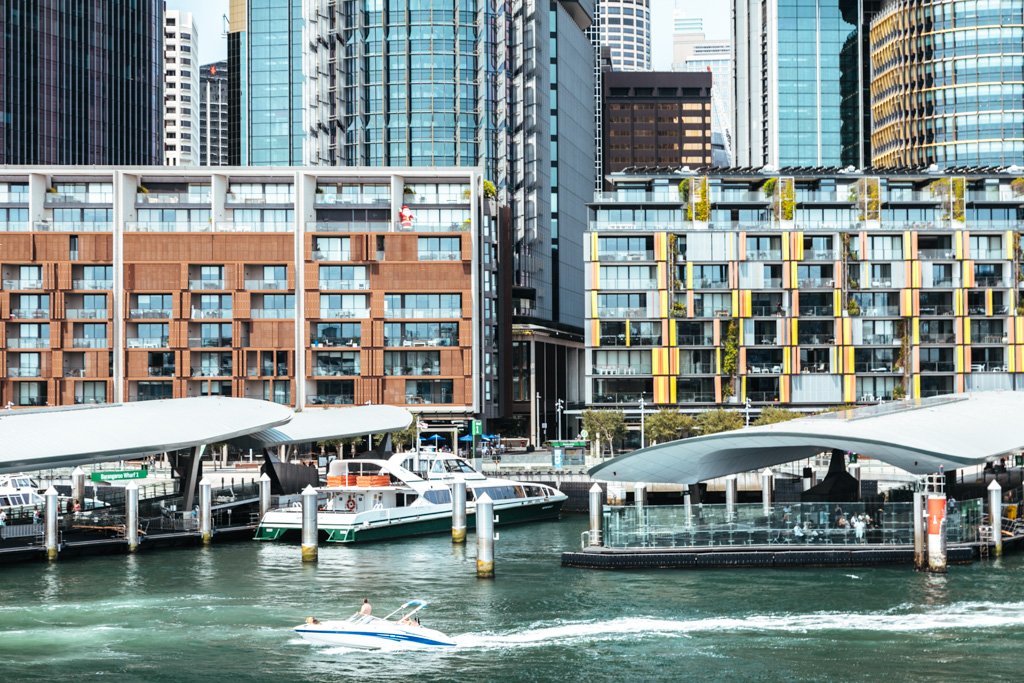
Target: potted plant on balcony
(679,309)
(1017,186)
(852,307)
(899,392)
(730,358)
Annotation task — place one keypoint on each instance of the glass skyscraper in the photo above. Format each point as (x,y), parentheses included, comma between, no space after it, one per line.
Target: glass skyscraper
(81,82)
(800,86)
(946,86)
(265,88)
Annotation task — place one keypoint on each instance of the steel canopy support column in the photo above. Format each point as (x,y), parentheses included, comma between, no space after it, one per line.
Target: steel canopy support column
(188,487)
(51,523)
(206,510)
(919,549)
(132,516)
(995,513)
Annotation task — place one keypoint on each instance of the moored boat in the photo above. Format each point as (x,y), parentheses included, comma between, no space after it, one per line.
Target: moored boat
(406,495)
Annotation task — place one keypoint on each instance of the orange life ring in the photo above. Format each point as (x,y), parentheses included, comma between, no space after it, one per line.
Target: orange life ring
(351,504)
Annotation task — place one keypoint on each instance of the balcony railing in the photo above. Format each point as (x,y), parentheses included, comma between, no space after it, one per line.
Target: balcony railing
(210,342)
(706,283)
(173,197)
(29,314)
(629,283)
(619,397)
(694,397)
(943,282)
(352,342)
(819,255)
(763,396)
(439,256)
(937,366)
(260,198)
(331,400)
(764,369)
(695,340)
(160,371)
(988,255)
(625,256)
(331,255)
(344,284)
(80,197)
(75,226)
(89,343)
(619,312)
(621,369)
(936,254)
(28,342)
(768,311)
(936,309)
(24,372)
(211,372)
(815,368)
(273,285)
(421,313)
(997,338)
(938,338)
(211,313)
(13,197)
(764,340)
(325,199)
(879,339)
(335,313)
(815,339)
(342,371)
(879,311)
(149,313)
(86,314)
(23,284)
(765,255)
(697,369)
(92,284)
(263,313)
(874,366)
(148,342)
(989,281)
(820,311)
(816,283)
(991,366)
(206,284)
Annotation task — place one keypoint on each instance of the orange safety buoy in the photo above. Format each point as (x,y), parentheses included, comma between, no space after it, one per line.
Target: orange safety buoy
(350,505)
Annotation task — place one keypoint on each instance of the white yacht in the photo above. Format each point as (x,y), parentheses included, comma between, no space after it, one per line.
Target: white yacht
(406,495)
(18,491)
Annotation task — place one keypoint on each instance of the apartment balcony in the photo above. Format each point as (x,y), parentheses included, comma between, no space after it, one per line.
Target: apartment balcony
(988,367)
(251,199)
(324,199)
(715,284)
(938,338)
(28,342)
(764,369)
(763,396)
(211,314)
(879,311)
(210,342)
(643,284)
(815,283)
(625,256)
(820,255)
(211,372)
(30,314)
(86,343)
(201,198)
(694,397)
(421,313)
(23,284)
(765,255)
(272,313)
(879,339)
(988,338)
(92,284)
(16,226)
(817,311)
(619,397)
(23,372)
(355,226)
(936,254)
(169,226)
(695,340)
(618,312)
(989,281)
(342,285)
(331,255)
(943,282)
(420,226)
(336,313)
(815,369)
(14,198)
(351,370)
(352,342)
(149,313)
(76,226)
(148,342)
(85,314)
(937,309)
(160,371)
(875,367)
(271,285)
(937,366)
(697,369)
(765,340)
(206,284)
(331,400)
(621,370)
(80,198)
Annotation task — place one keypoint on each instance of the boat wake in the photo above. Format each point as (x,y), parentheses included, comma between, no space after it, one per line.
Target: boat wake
(904,619)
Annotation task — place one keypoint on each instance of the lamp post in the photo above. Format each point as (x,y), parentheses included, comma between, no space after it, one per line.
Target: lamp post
(559,407)
(537,441)
(746,412)
(642,404)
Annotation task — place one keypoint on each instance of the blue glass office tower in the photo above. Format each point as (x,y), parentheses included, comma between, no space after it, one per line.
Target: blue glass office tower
(265,86)
(801,82)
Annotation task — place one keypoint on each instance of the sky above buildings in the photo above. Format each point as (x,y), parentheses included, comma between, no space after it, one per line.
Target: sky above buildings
(210,24)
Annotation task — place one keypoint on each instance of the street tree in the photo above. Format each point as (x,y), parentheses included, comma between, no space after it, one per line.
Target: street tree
(716,421)
(668,425)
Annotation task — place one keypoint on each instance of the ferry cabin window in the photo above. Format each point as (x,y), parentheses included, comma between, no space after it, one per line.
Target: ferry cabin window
(455,465)
(438,497)
(495,492)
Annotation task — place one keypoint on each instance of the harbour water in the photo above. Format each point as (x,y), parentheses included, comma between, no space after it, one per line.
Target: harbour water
(223,613)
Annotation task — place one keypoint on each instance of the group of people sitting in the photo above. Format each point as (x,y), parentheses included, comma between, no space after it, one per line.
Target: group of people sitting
(804,530)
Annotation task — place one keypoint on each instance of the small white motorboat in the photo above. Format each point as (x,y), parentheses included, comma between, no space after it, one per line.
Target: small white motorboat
(399,630)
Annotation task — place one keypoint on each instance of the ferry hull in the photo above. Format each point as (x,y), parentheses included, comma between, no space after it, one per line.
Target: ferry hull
(513,514)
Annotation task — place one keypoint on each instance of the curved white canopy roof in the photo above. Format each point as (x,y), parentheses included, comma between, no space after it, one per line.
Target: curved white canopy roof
(333,423)
(64,437)
(917,436)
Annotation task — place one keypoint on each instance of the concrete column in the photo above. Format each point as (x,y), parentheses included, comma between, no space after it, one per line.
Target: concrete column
(459,512)
(50,534)
(995,513)
(639,497)
(264,494)
(687,507)
(310,533)
(596,515)
(224,455)
(730,498)
(131,499)
(919,550)
(854,470)
(206,510)
(78,485)
(767,481)
(485,537)
(937,533)
(808,478)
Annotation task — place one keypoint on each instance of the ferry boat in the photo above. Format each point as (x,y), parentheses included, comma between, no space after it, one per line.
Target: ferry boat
(406,495)
(18,491)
